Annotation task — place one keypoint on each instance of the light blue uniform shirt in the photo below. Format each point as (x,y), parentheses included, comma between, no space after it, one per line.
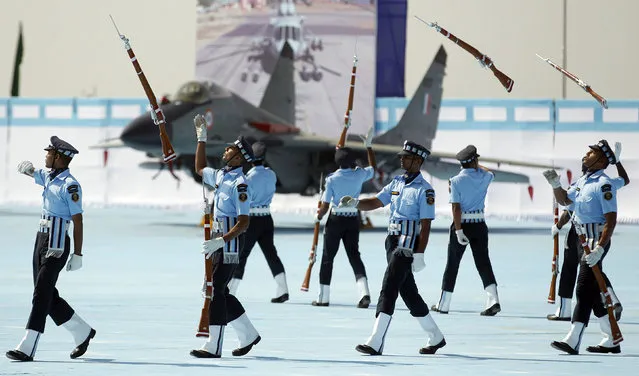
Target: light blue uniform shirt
(62,195)
(593,196)
(345,182)
(231,191)
(617,183)
(469,188)
(412,201)
(261,181)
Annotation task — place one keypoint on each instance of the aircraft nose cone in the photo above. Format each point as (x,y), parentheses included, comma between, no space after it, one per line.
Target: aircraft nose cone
(142,134)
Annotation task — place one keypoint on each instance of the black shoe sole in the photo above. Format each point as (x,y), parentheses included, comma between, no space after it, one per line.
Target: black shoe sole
(316,304)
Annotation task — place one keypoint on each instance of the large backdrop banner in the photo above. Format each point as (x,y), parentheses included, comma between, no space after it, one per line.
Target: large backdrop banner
(238,44)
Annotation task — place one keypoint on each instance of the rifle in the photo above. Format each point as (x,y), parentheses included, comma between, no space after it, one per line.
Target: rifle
(349,108)
(616,332)
(602,101)
(555,256)
(312,255)
(168,153)
(484,60)
(203,327)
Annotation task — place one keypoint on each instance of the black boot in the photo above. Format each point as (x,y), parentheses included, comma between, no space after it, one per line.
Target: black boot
(82,348)
(553,317)
(318,304)
(563,346)
(433,349)
(365,349)
(280,299)
(18,355)
(364,302)
(492,310)
(435,309)
(604,350)
(244,350)
(204,354)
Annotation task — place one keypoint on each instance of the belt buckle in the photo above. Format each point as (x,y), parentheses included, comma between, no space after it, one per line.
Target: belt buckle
(394,226)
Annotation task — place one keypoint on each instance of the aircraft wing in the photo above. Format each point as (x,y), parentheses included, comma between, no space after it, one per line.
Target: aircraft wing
(109,143)
(322,143)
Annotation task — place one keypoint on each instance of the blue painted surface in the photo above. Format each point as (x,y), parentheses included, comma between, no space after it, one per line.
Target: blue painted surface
(390,106)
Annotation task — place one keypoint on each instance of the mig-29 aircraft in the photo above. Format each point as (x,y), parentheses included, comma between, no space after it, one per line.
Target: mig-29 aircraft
(299,158)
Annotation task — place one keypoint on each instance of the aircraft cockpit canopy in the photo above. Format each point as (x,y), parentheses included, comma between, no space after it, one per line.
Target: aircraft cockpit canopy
(287,33)
(193,92)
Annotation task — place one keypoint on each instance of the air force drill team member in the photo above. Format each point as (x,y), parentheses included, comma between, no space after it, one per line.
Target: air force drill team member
(467,195)
(230,220)
(343,224)
(595,199)
(61,204)
(412,208)
(261,181)
(569,267)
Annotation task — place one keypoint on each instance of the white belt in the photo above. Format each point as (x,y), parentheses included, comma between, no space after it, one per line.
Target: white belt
(344,211)
(404,227)
(263,210)
(472,216)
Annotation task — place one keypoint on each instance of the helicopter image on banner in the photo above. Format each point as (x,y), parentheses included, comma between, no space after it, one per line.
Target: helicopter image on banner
(286,27)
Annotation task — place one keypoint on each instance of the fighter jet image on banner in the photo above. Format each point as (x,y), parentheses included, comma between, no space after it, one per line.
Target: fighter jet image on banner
(298,157)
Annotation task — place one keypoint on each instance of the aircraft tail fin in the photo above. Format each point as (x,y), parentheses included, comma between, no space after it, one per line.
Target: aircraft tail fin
(419,121)
(279,96)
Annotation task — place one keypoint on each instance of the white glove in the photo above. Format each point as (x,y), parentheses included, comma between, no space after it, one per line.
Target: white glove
(74,263)
(618,151)
(312,257)
(348,202)
(316,218)
(200,127)
(461,237)
(26,168)
(210,246)
(594,256)
(553,178)
(368,140)
(554,230)
(418,262)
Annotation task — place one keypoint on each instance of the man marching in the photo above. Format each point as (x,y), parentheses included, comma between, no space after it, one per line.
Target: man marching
(61,204)
(230,220)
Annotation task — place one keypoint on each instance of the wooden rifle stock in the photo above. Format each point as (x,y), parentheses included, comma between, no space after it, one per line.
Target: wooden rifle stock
(602,101)
(203,327)
(484,60)
(168,154)
(349,109)
(307,277)
(555,256)
(614,326)
(313,254)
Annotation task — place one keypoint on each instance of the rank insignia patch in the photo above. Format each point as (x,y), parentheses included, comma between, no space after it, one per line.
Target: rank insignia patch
(243,197)
(75,197)
(608,195)
(395,193)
